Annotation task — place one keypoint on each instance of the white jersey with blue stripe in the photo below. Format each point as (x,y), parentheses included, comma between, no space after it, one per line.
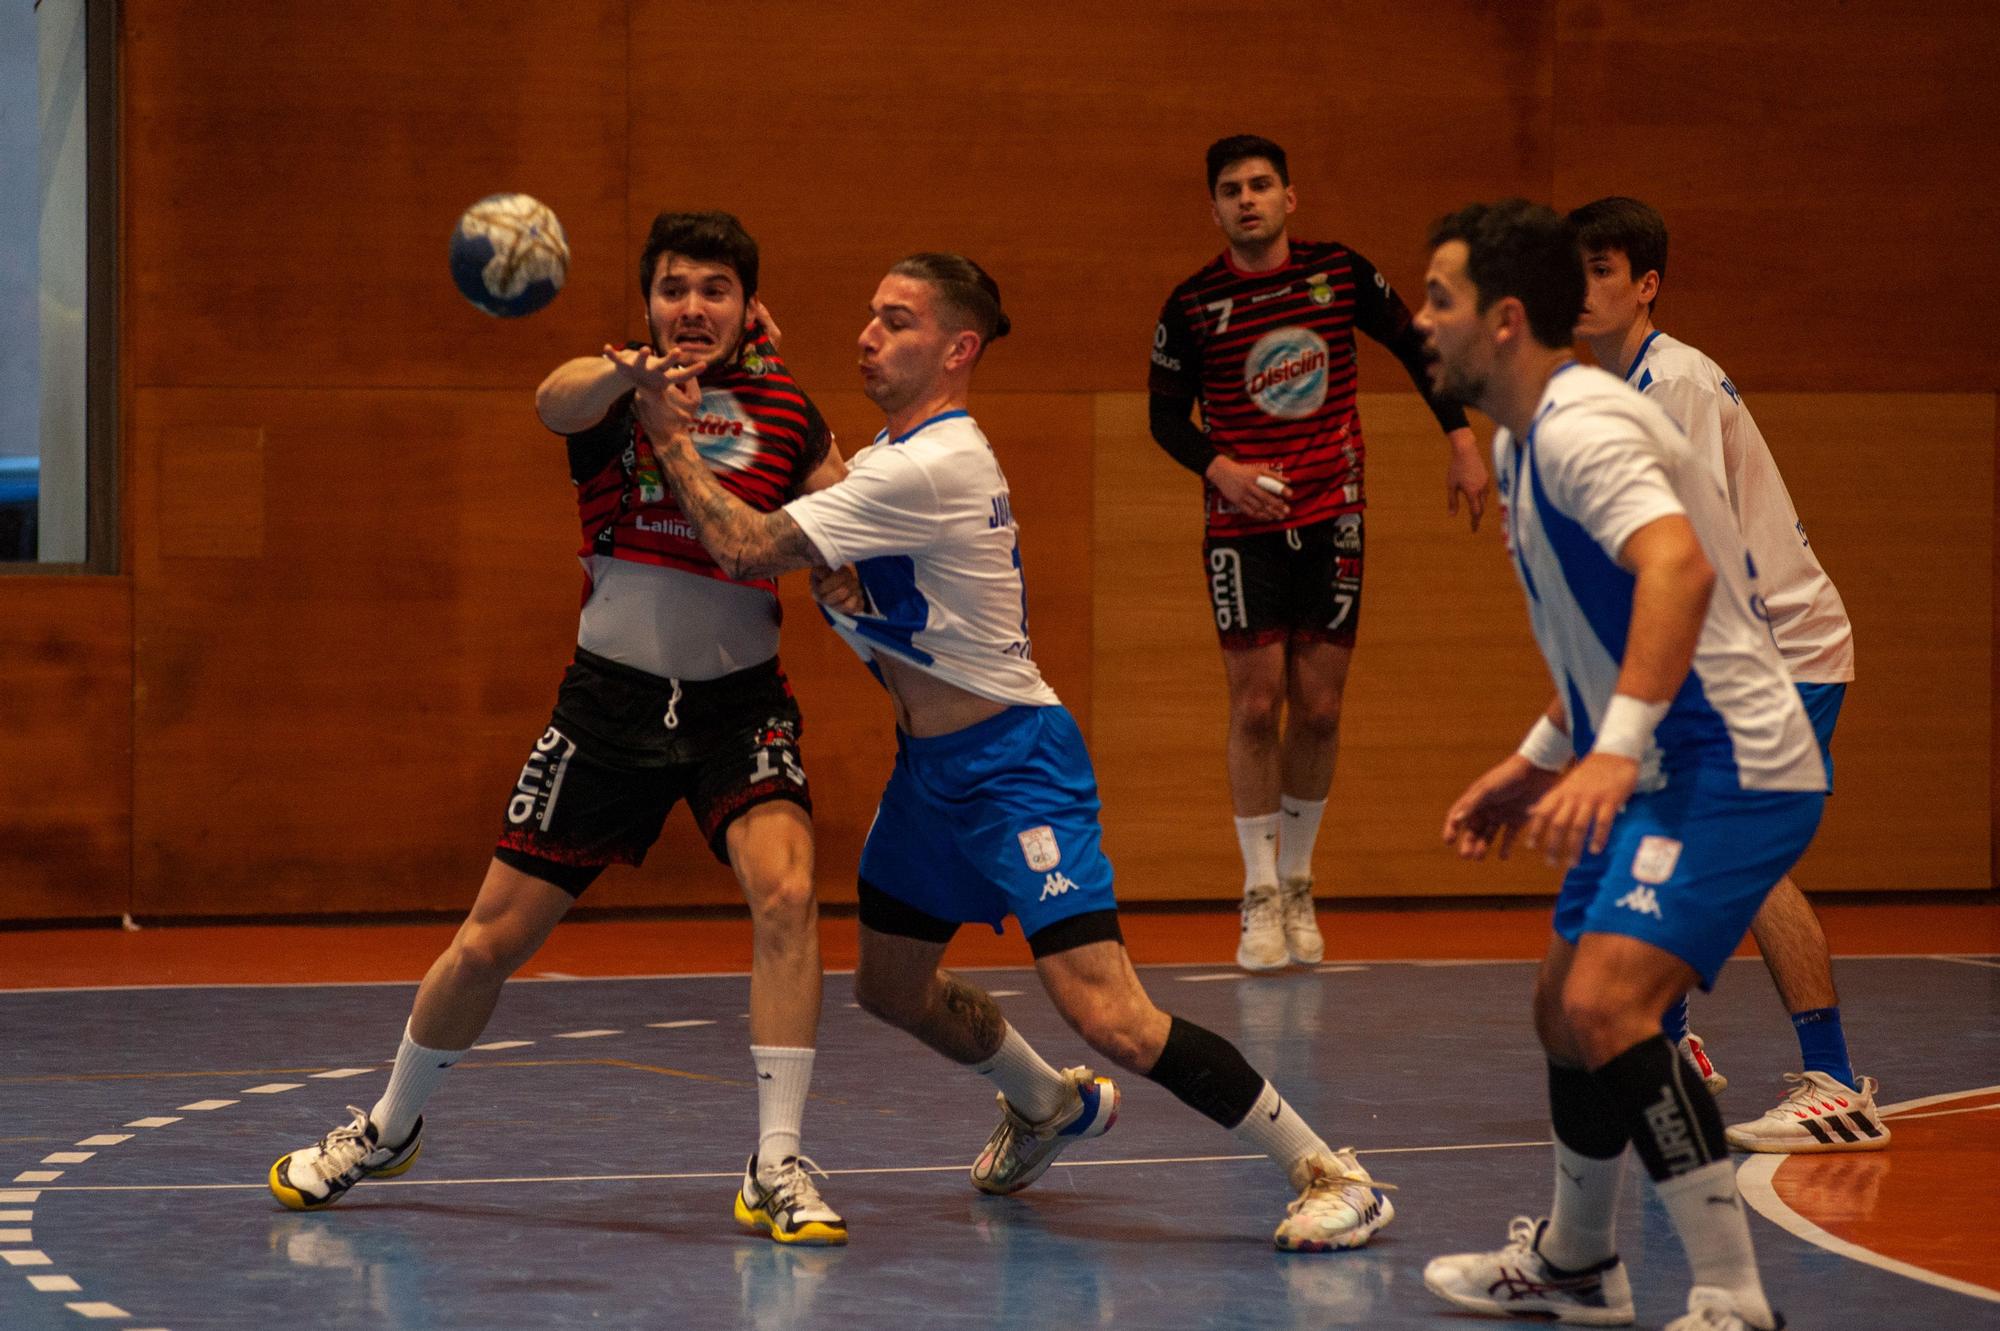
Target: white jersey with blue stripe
(925,518)
(1805,610)
(1599,463)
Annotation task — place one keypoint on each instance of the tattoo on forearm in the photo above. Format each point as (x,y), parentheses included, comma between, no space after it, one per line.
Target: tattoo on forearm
(966,1025)
(746,543)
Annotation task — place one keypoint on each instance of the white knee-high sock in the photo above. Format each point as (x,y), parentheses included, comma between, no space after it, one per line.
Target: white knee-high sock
(1708,1216)
(783,1077)
(418,1073)
(1036,1091)
(1258,839)
(1298,832)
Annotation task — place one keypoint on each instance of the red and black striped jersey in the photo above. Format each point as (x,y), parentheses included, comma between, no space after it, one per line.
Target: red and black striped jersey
(1271,358)
(758,432)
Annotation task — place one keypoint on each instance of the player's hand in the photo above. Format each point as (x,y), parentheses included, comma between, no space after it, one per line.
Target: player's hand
(668,401)
(1237,484)
(1578,813)
(760,317)
(641,368)
(839,589)
(1493,808)
(1466,475)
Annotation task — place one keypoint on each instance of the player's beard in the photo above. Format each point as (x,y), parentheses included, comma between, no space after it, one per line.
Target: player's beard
(731,346)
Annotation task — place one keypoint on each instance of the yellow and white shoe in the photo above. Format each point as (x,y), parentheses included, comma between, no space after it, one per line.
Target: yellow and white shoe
(319,1175)
(1339,1206)
(789,1207)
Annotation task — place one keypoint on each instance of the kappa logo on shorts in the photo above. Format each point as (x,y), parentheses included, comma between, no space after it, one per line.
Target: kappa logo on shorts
(1655,860)
(1055,885)
(1642,900)
(1039,848)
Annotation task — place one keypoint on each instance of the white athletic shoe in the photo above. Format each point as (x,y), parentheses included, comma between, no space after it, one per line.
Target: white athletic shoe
(1713,1309)
(1262,947)
(1817,1114)
(1696,1052)
(1339,1206)
(1019,1152)
(1517,1282)
(1302,938)
(319,1175)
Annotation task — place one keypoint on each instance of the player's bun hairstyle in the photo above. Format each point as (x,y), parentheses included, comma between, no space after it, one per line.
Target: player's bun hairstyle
(965,288)
(706,237)
(1225,153)
(1524,250)
(1634,229)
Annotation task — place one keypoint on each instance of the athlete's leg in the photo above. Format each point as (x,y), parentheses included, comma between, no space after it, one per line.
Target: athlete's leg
(897,979)
(1789,935)
(1315,680)
(1612,998)
(1098,992)
(1256,676)
(510,920)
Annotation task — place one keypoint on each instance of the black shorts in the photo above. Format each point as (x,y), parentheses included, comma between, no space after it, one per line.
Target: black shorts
(1302,584)
(623,746)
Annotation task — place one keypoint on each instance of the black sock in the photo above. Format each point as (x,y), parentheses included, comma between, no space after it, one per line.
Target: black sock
(1674,1123)
(1585,1119)
(1207,1073)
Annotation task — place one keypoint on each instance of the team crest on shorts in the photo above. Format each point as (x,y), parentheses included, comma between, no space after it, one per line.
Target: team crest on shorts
(1038,846)
(1656,859)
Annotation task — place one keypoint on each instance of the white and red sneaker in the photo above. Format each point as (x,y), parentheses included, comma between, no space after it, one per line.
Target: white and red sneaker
(1696,1053)
(1817,1114)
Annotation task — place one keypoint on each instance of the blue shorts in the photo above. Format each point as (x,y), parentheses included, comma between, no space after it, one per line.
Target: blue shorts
(1822,703)
(994,820)
(1688,867)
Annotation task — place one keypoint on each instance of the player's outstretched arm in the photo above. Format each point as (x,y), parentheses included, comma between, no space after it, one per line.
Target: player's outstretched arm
(742,541)
(578,393)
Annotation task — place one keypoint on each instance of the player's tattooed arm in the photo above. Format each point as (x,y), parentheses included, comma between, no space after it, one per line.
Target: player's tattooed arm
(743,542)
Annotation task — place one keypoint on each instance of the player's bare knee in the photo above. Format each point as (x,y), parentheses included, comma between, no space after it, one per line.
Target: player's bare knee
(782,901)
(1598,1021)
(489,955)
(898,1004)
(1257,713)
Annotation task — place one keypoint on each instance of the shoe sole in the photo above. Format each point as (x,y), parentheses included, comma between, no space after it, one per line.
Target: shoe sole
(1572,1316)
(294,1200)
(1354,1238)
(812,1234)
(1309,958)
(1809,1146)
(1264,968)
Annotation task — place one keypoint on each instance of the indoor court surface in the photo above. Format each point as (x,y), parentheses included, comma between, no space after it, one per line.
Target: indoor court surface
(577,1168)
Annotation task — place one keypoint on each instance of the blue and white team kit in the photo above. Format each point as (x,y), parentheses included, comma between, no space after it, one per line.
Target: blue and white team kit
(1733,790)
(1000,818)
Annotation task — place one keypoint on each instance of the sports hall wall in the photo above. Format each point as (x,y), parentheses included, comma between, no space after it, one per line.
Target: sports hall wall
(348,584)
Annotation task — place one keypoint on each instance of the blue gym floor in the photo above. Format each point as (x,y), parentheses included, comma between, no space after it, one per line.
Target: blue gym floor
(582,1178)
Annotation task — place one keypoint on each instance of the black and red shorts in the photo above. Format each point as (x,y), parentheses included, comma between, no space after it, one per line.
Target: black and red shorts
(624,746)
(1302,584)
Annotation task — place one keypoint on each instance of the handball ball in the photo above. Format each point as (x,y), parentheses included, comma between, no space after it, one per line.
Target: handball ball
(508,255)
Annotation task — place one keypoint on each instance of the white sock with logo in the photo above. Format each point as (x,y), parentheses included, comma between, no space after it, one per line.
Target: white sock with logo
(783,1076)
(1299,829)
(1708,1215)
(418,1073)
(1275,1128)
(1583,1219)
(1035,1091)
(1258,838)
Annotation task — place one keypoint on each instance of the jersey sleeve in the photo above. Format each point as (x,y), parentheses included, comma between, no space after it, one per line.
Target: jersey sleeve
(1694,407)
(1611,483)
(887,505)
(1176,368)
(594,449)
(813,449)
(1380,313)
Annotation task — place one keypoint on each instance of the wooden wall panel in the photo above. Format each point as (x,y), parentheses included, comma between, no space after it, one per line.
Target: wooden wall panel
(1061,145)
(1446,677)
(66,709)
(1826,172)
(293,174)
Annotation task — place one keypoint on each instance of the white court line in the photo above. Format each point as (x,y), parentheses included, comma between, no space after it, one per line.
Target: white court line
(586,1035)
(1755,1180)
(337,1073)
(503,1044)
(16,1217)
(204,1106)
(1947,1113)
(97,1310)
(106,1139)
(56,1284)
(1212,976)
(962,970)
(25,1257)
(690,1021)
(151,1122)
(1967,960)
(38,1176)
(67,1157)
(17,1236)
(703,1175)
(272,1088)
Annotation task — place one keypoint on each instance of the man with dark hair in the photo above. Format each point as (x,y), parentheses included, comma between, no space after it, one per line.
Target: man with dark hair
(1699,784)
(1624,245)
(1263,339)
(675,693)
(992,809)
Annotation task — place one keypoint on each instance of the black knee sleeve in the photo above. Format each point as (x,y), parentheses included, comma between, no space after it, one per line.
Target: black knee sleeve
(1207,1073)
(1585,1119)
(1672,1118)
